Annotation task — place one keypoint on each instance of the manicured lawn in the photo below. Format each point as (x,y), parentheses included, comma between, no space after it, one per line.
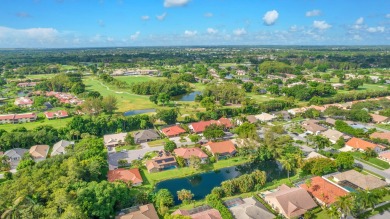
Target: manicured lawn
(127,147)
(57,123)
(374,161)
(157,143)
(384,126)
(137,78)
(42,76)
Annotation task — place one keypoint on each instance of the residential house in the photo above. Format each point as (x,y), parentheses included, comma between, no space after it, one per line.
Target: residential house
(356,180)
(125,175)
(330,121)
(240,72)
(56,115)
(187,153)
(139,212)
(312,127)
(201,212)
(290,202)
(23,102)
(145,136)
(385,156)
(15,155)
(251,119)
(18,118)
(113,140)
(265,117)
(338,86)
(163,161)
(379,119)
(334,135)
(249,208)
(284,115)
(323,191)
(199,127)
(319,108)
(39,152)
(314,154)
(223,148)
(173,131)
(295,84)
(362,145)
(27,84)
(296,111)
(381,135)
(59,147)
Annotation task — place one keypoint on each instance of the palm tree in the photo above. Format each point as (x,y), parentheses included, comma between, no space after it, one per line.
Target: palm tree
(13,211)
(344,204)
(333,212)
(367,199)
(287,164)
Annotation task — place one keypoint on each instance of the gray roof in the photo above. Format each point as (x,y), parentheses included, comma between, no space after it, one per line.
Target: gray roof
(59,147)
(16,151)
(251,208)
(145,135)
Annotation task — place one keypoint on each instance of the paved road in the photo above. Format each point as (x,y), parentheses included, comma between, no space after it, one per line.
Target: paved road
(383,173)
(130,155)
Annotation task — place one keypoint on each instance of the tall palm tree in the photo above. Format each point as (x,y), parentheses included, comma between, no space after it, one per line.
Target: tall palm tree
(333,212)
(13,211)
(344,204)
(367,199)
(287,164)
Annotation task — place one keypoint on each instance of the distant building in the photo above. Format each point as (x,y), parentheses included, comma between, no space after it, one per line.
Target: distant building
(199,127)
(27,84)
(265,117)
(56,115)
(145,136)
(59,147)
(312,127)
(113,140)
(163,161)
(39,152)
(24,102)
(379,118)
(15,155)
(18,118)
(362,145)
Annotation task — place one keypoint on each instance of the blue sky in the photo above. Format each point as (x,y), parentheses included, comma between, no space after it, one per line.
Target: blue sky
(97,23)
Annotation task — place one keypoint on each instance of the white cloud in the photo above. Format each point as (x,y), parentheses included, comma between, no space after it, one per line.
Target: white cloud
(313,13)
(293,28)
(145,17)
(31,37)
(135,35)
(161,17)
(211,30)
(270,17)
(387,16)
(321,25)
(175,3)
(110,39)
(357,37)
(239,32)
(190,33)
(208,14)
(359,21)
(378,29)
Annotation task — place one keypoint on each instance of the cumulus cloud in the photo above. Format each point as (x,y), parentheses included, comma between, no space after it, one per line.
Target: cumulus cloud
(239,32)
(211,30)
(27,37)
(357,37)
(190,33)
(23,15)
(208,14)
(378,29)
(161,17)
(359,21)
(313,13)
(270,17)
(145,18)
(175,3)
(321,25)
(135,35)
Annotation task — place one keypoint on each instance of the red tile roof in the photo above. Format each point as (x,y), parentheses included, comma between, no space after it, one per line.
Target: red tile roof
(378,118)
(324,190)
(58,114)
(385,155)
(125,175)
(380,135)
(173,131)
(222,147)
(186,153)
(361,144)
(201,126)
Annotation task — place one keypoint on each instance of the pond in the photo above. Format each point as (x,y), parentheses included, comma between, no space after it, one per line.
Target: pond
(136,112)
(188,97)
(202,184)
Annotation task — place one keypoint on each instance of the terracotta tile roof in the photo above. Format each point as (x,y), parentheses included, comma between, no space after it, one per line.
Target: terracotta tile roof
(57,114)
(201,126)
(25,115)
(324,190)
(361,144)
(381,135)
(186,153)
(384,155)
(125,175)
(222,147)
(173,130)
(142,212)
(378,118)
(39,151)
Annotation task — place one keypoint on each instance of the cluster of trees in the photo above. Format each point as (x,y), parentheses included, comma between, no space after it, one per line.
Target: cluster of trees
(70,82)
(345,128)
(226,92)
(161,86)
(303,92)
(215,202)
(322,166)
(271,67)
(346,97)
(73,186)
(113,81)
(94,106)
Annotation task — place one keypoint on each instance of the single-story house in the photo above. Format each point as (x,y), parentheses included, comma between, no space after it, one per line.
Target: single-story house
(173,131)
(187,153)
(163,161)
(312,127)
(357,180)
(59,147)
(15,155)
(113,140)
(290,202)
(338,86)
(319,108)
(385,155)
(314,154)
(125,175)
(139,212)
(199,127)
(265,117)
(296,111)
(201,212)
(379,118)
(330,121)
(251,119)
(381,135)
(39,152)
(250,208)
(325,192)
(145,136)
(362,145)
(223,148)
(56,115)
(334,135)
(23,102)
